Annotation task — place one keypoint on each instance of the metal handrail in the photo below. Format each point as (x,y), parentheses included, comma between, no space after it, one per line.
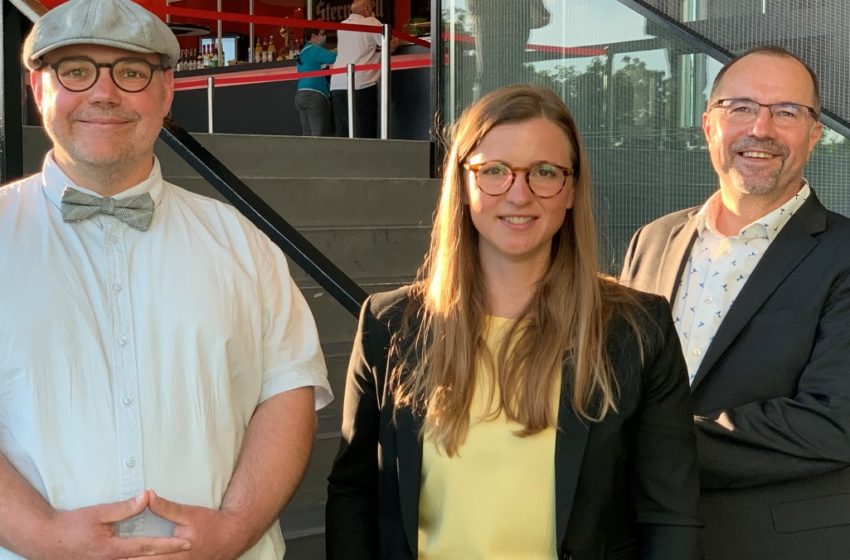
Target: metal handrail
(349,99)
(385,81)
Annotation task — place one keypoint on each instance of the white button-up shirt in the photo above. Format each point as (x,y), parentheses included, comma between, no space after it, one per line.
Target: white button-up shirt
(717,269)
(355,47)
(133,360)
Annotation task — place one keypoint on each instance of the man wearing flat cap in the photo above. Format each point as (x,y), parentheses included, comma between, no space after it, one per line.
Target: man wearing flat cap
(159,371)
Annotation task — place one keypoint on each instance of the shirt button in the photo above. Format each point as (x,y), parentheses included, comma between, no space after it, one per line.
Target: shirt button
(696,352)
(127,401)
(708,300)
(130,462)
(122,341)
(117,288)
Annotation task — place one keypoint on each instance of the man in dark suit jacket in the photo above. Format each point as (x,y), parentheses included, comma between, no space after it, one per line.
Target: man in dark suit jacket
(759,282)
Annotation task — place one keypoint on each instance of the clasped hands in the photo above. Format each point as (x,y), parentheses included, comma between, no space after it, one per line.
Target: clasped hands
(89,533)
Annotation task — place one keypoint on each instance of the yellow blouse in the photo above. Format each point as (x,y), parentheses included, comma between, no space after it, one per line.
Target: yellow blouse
(496,498)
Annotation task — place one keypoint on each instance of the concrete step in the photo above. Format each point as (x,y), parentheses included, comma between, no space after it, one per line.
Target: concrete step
(306,547)
(335,323)
(336,359)
(315,201)
(250,156)
(313,489)
(369,252)
(303,521)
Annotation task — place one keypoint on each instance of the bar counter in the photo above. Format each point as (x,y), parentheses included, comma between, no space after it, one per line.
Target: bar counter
(246,102)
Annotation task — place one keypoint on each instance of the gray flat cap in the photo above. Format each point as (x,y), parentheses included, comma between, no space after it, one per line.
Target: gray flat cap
(113,23)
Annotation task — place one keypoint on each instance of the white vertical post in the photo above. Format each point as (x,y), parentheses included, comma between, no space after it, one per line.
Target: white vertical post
(250,33)
(309,9)
(351,92)
(210,96)
(385,83)
(219,46)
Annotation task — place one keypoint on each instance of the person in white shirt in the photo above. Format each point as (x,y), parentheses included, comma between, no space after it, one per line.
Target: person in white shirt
(759,282)
(159,370)
(358,48)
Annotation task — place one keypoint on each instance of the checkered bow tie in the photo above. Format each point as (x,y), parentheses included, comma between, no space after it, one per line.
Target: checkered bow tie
(135,211)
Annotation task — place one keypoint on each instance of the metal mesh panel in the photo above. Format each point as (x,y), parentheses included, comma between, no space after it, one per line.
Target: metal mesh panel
(637,81)
(815,30)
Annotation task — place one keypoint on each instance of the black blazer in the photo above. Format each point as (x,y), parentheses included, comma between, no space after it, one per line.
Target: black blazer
(626,487)
(776,485)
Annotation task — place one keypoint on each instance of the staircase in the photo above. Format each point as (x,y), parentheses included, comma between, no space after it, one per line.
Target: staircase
(367,205)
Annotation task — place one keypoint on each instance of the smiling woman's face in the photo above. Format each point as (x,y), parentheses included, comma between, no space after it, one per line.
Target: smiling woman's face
(518,226)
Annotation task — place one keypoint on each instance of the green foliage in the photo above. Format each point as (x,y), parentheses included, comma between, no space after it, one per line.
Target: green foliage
(629,105)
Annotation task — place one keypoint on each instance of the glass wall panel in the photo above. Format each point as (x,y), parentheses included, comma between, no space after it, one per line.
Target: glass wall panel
(636,87)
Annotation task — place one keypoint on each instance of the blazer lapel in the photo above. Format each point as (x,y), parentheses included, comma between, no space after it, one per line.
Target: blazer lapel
(793,243)
(570,442)
(675,257)
(409,468)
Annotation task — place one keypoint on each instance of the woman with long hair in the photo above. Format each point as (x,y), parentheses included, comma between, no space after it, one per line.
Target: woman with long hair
(513,402)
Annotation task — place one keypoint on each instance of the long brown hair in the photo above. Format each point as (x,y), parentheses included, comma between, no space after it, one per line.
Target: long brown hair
(567,316)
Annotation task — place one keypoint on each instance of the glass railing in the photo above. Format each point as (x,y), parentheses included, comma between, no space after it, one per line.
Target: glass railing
(637,75)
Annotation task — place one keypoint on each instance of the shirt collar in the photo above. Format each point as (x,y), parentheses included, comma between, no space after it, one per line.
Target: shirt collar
(54,182)
(768,226)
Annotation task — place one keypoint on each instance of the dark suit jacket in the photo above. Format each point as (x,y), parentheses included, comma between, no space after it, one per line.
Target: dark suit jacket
(626,487)
(777,484)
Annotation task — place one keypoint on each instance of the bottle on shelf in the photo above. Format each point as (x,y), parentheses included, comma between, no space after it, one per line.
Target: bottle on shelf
(199,60)
(258,51)
(272,51)
(213,56)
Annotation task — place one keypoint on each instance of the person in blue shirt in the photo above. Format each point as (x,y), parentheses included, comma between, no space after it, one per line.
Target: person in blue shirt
(313,98)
